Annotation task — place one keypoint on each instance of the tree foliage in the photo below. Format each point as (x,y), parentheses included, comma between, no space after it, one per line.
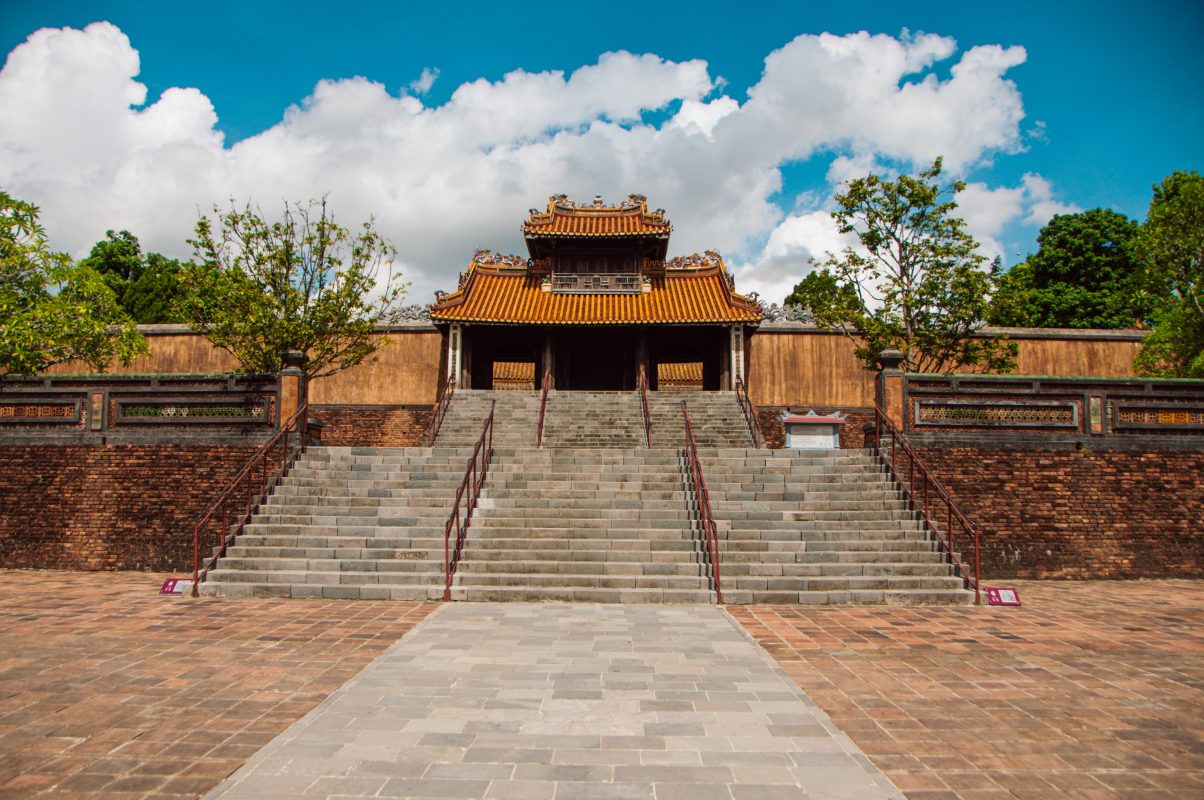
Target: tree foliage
(1171,249)
(1083,275)
(149,287)
(915,283)
(302,282)
(52,310)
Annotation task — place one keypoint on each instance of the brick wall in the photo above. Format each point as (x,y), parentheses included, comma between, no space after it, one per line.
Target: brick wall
(1080,514)
(851,434)
(94,507)
(372,426)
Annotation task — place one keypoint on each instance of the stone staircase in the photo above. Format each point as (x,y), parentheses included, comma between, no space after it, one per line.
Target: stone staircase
(820,527)
(515,418)
(593,525)
(715,417)
(593,420)
(352,523)
(592,516)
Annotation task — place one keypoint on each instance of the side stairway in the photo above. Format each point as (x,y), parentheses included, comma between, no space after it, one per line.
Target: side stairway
(353,523)
(824,526)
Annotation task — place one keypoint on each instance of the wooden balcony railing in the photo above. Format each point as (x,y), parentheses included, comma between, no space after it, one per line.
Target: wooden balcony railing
(597,283)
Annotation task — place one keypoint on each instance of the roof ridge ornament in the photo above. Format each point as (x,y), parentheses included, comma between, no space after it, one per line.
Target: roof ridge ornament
(706,260)
(485,257)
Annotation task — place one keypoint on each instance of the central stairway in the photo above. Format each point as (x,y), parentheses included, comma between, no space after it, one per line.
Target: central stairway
(594,515)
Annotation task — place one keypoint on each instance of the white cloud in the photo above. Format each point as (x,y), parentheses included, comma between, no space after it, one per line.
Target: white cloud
(988,212)
(423,83)
(698,117)
(1038,193)
(786,257)
(441,180)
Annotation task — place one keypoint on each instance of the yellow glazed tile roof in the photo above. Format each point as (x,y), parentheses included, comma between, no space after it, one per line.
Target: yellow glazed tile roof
(565,218)
(498,293)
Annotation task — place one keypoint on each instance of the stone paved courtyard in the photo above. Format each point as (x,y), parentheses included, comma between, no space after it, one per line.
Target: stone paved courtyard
(1090,690)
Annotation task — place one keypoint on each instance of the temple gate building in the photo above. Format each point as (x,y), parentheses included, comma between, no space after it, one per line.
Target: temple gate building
(596,307)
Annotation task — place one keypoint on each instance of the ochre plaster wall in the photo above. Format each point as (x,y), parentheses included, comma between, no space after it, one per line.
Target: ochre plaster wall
(814,369)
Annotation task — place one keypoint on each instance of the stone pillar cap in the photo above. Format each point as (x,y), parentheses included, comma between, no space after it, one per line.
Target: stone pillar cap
(891,359)
(294,358)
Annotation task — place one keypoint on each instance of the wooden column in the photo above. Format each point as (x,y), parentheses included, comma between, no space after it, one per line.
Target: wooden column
(641,357)
(549,358)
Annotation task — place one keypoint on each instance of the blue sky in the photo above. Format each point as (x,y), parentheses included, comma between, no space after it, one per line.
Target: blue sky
(1104,101)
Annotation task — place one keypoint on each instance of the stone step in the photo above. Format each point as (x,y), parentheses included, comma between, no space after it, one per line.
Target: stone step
(693,568)
(850,597)
(533,580)
(410,592)
(578,594)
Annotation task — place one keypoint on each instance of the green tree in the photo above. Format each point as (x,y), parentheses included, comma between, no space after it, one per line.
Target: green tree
(52,310)
(917,277)
(147,285)
(303,282)
(822,290)
(1171,249)
(1083,275)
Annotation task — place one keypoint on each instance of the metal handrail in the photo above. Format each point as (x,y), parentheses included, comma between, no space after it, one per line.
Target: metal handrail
(256,491)
(750,413)
(931,488)
(644,403)
(474,476)
(432,430)
(543,404)
(705,516)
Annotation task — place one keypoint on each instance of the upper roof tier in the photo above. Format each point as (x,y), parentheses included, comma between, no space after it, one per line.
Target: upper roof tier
(567,219)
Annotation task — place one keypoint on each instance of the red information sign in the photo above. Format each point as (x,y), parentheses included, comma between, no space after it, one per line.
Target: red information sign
(1002,596)
(176,586)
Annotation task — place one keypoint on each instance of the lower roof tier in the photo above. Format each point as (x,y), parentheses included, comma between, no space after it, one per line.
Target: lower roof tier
(502,294)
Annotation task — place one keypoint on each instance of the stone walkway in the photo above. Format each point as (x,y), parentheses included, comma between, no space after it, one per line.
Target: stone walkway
(566,702)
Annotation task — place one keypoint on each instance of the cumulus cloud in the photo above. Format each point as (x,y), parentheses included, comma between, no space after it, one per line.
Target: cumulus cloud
(80,140)
(788,253)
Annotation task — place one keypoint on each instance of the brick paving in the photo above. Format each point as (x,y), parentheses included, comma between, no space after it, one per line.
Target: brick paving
(109,690)
(1090,690)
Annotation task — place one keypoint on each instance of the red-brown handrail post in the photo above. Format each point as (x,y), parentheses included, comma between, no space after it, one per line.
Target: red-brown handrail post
(952,512)
(644,404)
(750,413)
(543,404)
(474,478)
(432,430)
(705,516)
(245,480)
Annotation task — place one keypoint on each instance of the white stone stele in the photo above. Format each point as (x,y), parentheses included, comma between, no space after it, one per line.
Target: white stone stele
(812,431)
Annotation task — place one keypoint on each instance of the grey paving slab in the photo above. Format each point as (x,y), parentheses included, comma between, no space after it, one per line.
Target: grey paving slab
(561,701)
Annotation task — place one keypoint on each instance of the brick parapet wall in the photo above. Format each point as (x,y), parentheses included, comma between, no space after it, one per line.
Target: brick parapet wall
(852,435)
(1080,513)
(108,507)
(372,426)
